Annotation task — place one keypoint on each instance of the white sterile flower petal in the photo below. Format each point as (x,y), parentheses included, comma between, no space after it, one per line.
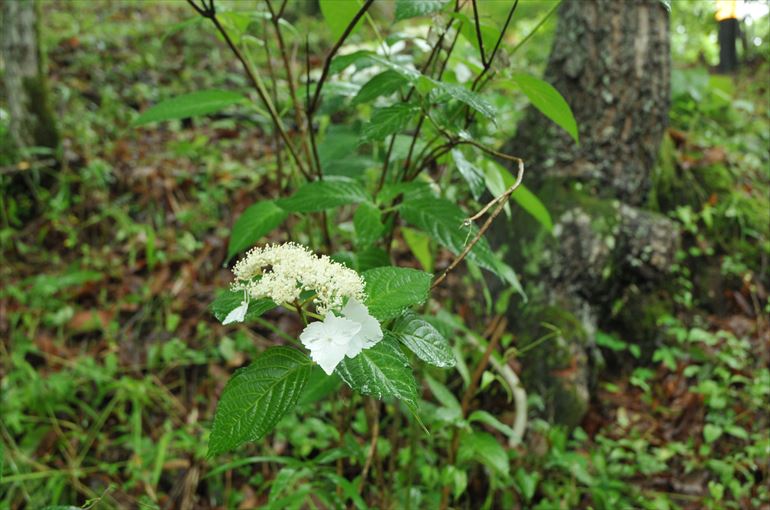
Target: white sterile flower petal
(328,341)
(370,332)
(237,314)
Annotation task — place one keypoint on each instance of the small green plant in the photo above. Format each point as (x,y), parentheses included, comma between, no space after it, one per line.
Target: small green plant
(356,306)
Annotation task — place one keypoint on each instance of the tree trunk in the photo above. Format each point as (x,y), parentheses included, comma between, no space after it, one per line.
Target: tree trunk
(31,117)
(610,60)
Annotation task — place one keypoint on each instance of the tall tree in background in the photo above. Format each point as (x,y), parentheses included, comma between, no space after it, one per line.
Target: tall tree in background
(32,119)
(610,60)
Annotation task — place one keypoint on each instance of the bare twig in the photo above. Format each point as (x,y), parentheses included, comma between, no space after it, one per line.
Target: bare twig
(330,56)
(497,329)
(287,64)
(210,13)
(375,420)
(500,202)
(478,33)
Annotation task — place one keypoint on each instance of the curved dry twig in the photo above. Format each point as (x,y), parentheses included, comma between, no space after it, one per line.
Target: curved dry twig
(500,202)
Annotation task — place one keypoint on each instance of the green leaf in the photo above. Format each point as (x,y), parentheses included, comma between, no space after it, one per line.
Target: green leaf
(489,33)
(228,300)
(411,191)
(255,222)
(368,224)
(487,419)
(381,371)
(443,395)
(383,84)
(472,175)
(341,62)
(390,290)
(495,183)
(523,196)
(338,14)
(424,340)
(419,243)
(410,8)
(371,257)
(319,386)
(526,482)
(484,448)
(256,397)
(445,222)
(189,105)
(467,97)
(389,120)
(712,432)
(327,194)
(549,101)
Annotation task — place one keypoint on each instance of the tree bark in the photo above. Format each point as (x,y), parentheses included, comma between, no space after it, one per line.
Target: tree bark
(32,121)
(611,62)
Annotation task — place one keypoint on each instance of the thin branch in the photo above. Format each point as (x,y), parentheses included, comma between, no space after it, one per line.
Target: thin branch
(537,27)
(497,329)
(198,9)
(375,421)
(210,13)
(478,33)
(502,32)
(332,52)
(274,81)
(287,64)
(311,130)
(283,6)
(500,201)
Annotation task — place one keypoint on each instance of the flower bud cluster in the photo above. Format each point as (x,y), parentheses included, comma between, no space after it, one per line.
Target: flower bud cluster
(289,269)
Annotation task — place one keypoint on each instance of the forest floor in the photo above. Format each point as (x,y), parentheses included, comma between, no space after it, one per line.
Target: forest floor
(112,362)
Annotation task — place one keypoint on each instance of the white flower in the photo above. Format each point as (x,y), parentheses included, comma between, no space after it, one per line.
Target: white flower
(237,314)
(328,341)
(336,337)
(370,332)
(288,269)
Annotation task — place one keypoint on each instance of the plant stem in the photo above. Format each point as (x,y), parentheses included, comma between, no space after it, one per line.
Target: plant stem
(328,61)
(210,13)
(497,329)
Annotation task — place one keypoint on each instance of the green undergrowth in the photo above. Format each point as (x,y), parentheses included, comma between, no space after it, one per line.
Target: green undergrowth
(112,363)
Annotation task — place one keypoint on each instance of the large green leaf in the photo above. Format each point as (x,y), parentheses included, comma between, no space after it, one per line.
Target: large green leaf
(382,84)
(390,290)
(189,105)
(228,300)
(472,175)
(445,222)
(341,62)
(419,242)
(523,196)
(549,101)
(484,448)
(411,8)
(423,339)
(368,224)
(256,221)
(327,194)
(338,14)
(256,397)
(489,33)
(389,120)
(465,96)
(381,371)
(319,386)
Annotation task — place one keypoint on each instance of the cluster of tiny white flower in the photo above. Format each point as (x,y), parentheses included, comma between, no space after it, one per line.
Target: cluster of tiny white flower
(289,269)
